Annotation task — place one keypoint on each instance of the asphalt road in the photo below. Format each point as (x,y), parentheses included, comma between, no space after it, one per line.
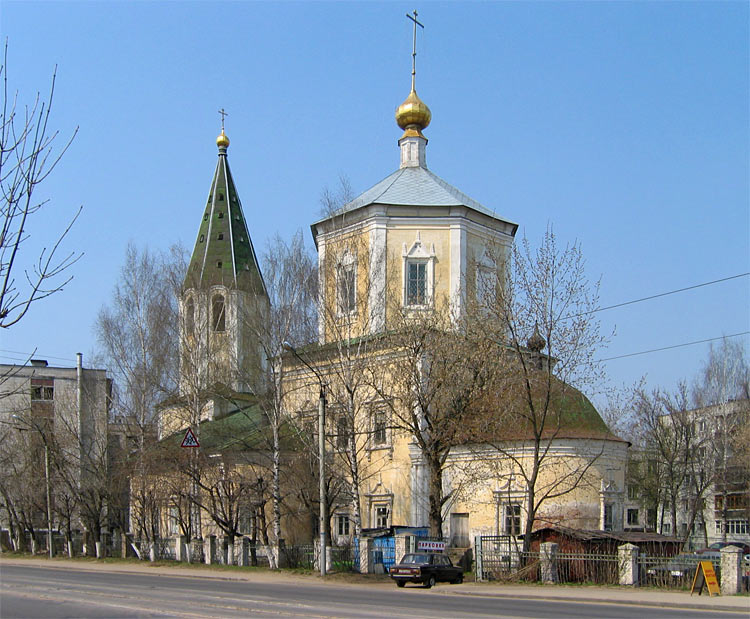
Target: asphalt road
(27,592)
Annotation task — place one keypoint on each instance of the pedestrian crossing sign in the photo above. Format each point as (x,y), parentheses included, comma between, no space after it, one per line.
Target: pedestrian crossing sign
(190,440)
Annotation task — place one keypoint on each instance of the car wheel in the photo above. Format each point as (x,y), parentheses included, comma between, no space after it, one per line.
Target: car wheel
(400,583)
(459,580)
(430,582)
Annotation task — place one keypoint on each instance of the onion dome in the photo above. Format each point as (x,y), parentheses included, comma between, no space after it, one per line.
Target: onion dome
(413,113)
(222,141)
(536,342)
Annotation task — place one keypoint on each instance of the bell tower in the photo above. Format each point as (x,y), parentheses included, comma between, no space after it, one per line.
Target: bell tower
(224,299)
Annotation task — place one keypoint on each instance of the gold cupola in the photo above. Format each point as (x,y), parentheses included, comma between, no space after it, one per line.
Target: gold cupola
(222,141)
(413,115)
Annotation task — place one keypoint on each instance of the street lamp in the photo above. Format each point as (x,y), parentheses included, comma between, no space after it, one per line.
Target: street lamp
(32,425)
(323,523)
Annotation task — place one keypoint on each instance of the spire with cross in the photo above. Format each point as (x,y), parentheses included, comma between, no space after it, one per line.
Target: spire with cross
(413,17)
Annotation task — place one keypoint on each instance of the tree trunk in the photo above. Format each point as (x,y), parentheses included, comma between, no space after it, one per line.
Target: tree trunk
(436,497)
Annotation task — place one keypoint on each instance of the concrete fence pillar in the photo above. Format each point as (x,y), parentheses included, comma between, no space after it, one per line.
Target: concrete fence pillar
(731,570)
(401,547)
(627,556)
(180,549)
(242,548)
(479,559)
(365,555)
(209,549)
(229,553)
(548,560)
(282,559)
(152,550)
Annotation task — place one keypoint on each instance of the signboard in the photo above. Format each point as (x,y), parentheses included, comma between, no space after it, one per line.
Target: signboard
(705,575)
(426,545)
(190,440)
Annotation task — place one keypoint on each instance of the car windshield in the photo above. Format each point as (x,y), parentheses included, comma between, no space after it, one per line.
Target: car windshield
(416,558)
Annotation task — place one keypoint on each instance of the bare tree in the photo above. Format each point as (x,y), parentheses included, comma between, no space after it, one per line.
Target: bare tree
(28,155)
(137,336)
(290,278)
(435,382)
(722,392)
(538,308)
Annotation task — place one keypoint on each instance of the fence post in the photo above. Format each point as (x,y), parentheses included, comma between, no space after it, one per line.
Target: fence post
(627,555)
(479,567)
(179,548)
(548,558)
(731,570)
(152,550)
(399,547)
(365,555)
(209,549)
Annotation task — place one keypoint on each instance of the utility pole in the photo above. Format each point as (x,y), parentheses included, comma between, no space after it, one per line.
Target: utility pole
(322,494)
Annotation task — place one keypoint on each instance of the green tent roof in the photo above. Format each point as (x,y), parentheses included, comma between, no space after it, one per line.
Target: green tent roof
(224,252)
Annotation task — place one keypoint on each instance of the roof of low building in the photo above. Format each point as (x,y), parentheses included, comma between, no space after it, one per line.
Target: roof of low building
(599,535)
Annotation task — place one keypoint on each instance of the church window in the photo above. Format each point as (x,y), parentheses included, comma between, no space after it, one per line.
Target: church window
(512,519)
(220,215)
(608,516)
(416,283)
(380,513)
(190,317)
(342,432)
(379,427)
(205,217)
(218,313)
(221,197)
(219,264)
(346,288)
(221,236)
(201,239)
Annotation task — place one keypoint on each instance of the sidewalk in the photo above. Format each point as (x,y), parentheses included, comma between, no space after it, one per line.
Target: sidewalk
(611,595)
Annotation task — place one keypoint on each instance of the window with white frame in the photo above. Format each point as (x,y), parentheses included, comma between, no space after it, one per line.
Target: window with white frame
(342,525)
(512,519)
(486,285)
(416,282)
(381,515)
(608,516)
(419,268)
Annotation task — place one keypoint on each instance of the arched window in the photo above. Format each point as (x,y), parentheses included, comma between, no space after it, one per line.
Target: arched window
(190,317)
(217,313)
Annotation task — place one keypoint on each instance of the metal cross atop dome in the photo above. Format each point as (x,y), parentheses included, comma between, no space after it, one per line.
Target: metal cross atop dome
(413,17)
(223,114)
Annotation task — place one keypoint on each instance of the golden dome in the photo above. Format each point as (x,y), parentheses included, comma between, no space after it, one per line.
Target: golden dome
(222,141)
(413,112)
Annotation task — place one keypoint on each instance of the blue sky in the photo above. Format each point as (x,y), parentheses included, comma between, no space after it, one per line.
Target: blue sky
(624,125)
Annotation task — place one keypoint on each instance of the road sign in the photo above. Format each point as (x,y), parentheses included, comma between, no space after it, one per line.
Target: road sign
(705,575)
(190,440)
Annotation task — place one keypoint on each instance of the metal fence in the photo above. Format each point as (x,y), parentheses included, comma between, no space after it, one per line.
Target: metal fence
(600,569)
(672,572)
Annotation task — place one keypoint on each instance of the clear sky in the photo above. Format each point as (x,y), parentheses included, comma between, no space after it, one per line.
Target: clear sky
(624,125)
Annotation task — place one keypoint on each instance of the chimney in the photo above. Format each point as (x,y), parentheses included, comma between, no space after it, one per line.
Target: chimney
(39,363)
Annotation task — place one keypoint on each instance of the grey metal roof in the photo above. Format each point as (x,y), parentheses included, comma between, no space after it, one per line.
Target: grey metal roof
(415,186)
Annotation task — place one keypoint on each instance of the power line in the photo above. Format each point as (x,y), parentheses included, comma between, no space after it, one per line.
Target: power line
(644,352)
(26,355)
(661,294)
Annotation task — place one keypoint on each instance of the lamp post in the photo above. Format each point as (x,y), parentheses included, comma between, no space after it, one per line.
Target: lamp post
(32,425)
(323,520)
